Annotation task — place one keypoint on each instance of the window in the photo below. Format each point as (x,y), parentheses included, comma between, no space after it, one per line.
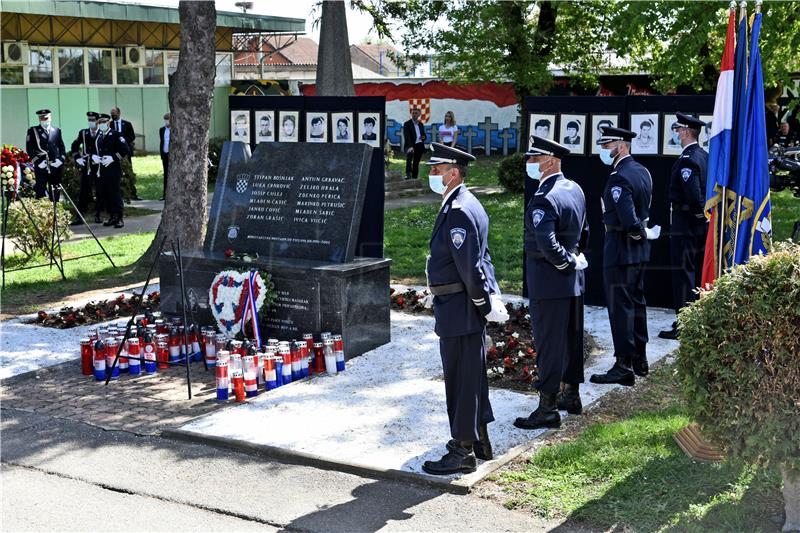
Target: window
(70,66)
(41,68)
(153,73)
(12,75)
(223,76)
(99,66)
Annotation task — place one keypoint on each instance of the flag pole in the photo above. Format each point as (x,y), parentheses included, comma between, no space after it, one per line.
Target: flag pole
(724,198)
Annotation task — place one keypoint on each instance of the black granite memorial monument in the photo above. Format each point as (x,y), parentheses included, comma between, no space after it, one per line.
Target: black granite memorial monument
(298,207)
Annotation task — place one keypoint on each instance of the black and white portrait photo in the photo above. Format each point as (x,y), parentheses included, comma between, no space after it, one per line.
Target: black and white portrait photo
(705,133)
(265,126)
(288,126)
(240,126)
(572,132)
(646,128)
(369,129)
(598,121)
(542,125)
(342,127)
(671,144)
(316,127)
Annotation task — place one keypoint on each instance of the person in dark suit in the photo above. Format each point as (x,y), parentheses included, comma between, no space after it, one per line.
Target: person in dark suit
(111,149)
(44,145)
(83,147)
(125,128)
(688,229)
(465,296)
(626,250)
(414,137)
(556,233)
(163,149)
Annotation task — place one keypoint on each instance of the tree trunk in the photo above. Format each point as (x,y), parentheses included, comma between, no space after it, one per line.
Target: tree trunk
(791,500)
(190,97)
(334,69)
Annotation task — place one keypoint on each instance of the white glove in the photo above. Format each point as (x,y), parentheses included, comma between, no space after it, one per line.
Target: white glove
(652,233)
(96,159)
(427,301)
(43,164)
(580,261)
(498,312)
(81,161)
(107,160)
(55,164)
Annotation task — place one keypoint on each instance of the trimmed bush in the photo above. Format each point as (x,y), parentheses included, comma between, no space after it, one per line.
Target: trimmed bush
(739,360)
(511,172)
(22,230)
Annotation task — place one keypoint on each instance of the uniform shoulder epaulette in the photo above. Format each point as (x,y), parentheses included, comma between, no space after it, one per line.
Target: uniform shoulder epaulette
(456,204)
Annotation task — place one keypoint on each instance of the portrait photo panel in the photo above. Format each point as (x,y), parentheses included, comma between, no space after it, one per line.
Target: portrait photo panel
(705,133)
(646,127)
(342,124)
(604,119)
(240,125)
(288,126)
(542,125)
(265,126)
(670,144)
(369,129)
(316,127)
(572,132)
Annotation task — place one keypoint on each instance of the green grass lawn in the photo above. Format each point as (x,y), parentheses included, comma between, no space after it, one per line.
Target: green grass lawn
(482,172)
(28,290)
(631,475)
(149,176)
(785,212)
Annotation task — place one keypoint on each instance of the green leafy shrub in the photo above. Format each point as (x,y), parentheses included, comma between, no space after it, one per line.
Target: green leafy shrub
(511,172)
(739,360)
(22,230)
(71,181)
(214,151)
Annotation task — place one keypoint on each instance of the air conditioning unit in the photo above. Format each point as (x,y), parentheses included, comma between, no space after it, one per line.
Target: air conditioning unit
(133,56)
(16,53)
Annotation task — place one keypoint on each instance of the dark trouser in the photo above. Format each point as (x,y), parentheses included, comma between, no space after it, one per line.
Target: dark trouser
(45,178)
(558,332)
(165,164)
(627,310)
(112,195)
(686,255)
(85,194)
(412,160)
(465,384)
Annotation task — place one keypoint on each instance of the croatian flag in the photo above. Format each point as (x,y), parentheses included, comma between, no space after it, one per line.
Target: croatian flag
(719,155)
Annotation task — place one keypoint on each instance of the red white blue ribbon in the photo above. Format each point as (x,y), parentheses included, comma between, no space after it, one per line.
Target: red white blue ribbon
(250,308)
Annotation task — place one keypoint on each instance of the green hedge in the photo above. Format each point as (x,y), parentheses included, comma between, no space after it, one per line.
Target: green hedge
(511,172)
(739,360)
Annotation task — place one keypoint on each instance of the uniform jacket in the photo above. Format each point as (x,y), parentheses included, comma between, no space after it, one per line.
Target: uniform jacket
(410,134)
(43,146)
(687,191)
(113,144)
(84,146)
(127,131)
(555,228)
(626,210)
(459,253)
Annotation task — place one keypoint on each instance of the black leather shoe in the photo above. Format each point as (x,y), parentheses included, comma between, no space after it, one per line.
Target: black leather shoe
(458,459)
(545,416)
(98,219)
(110,222)
(640,366)
(618,374)
(119,223)
(569,400)
(671,334)
(482,447)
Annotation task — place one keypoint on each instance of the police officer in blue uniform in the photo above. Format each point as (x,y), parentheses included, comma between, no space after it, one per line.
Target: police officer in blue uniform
(556,232)
(45,146)
(111,148)
(626,250)
(83,147)
(465,295)
(688,228)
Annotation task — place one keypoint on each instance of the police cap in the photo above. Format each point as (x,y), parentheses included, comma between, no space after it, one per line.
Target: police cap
(103,116)
(542,146)
(43,112)
(92,114)
(443,154)
(688,121)
(609,134)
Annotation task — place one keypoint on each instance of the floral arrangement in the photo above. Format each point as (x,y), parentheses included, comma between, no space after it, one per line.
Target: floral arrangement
(93,312)
(236,298)
(15,170)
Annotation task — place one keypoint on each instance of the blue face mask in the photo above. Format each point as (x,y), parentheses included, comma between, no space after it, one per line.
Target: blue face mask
(92,124)
(103,127)
(675,137)
(533,171)
(606,157)
(436,183)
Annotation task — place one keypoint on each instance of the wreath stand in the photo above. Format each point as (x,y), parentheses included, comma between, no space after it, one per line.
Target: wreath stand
(54,250)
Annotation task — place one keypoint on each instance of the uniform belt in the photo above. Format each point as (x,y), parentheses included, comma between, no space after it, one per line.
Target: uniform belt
(539,255)
(447,288)
(681,207)
(610,228)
